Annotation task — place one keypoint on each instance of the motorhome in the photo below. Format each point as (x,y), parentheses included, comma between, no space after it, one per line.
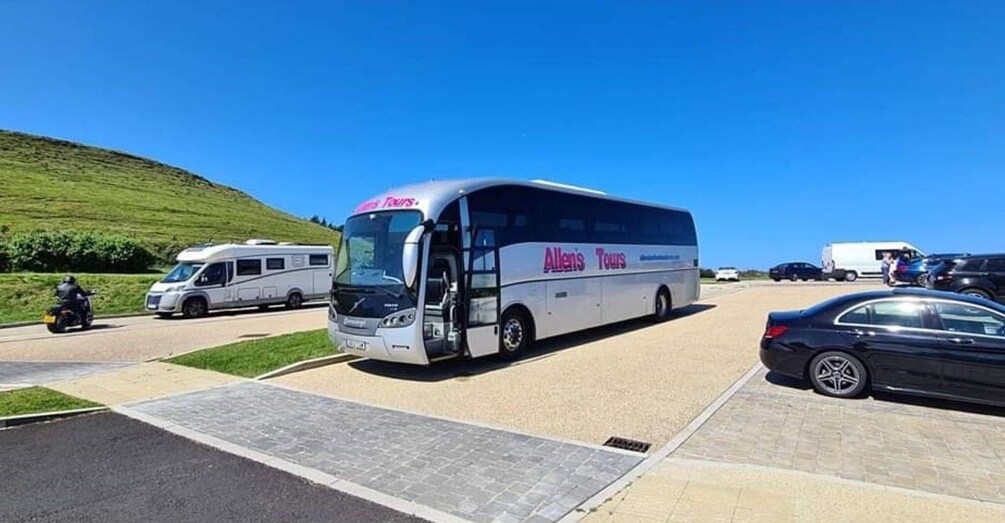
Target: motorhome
(851,261)
(256,273)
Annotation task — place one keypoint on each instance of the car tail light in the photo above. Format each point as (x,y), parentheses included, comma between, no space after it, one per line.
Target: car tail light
(775,331)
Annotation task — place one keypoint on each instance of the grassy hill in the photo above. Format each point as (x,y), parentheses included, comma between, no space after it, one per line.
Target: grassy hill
(161,206)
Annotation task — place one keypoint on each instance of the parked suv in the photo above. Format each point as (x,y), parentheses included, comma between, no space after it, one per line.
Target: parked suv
(795,271)
(982,276)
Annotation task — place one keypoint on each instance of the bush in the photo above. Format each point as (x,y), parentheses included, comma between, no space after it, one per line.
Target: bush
(4,257)
(51,251)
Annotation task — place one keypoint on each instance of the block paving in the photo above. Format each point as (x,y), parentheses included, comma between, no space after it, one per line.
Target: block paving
(474,472)
(958,452)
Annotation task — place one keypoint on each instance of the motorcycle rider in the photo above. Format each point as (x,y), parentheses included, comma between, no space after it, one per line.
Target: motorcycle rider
(71,295)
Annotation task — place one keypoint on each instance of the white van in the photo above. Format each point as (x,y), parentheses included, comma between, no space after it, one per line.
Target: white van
(851,261)
(257,273)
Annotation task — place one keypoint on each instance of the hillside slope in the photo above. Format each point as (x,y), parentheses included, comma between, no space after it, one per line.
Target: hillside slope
(162,206)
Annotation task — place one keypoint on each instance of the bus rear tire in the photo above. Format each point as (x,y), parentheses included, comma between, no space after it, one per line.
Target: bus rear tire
(663,306)
(514,335)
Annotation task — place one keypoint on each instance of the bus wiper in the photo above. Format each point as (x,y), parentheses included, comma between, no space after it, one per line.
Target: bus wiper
(358,289)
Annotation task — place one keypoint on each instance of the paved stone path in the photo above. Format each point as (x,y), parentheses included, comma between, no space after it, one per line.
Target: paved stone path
(41,373)
(477,473)
(895,443)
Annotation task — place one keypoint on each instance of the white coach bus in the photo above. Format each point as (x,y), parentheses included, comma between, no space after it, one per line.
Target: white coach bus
(231,275)
(469,268)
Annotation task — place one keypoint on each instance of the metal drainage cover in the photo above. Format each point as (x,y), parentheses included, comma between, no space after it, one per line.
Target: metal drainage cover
(253,335)
(627,444)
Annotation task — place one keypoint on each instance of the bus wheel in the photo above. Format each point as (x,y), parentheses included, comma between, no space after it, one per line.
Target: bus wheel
(194,308)
(295,301)
(663,306)
(514,336)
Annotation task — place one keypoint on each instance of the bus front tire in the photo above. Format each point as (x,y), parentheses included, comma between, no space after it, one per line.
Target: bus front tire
(194,308)
(295,301)
(514,336)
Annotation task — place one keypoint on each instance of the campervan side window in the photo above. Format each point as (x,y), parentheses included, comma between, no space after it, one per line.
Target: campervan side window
(249,267)
(275,264)
(319,260)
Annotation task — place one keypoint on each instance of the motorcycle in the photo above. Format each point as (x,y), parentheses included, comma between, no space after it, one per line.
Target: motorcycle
(61,316)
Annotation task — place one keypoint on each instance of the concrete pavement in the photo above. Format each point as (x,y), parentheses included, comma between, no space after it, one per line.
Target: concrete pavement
(144,381)
(144,338)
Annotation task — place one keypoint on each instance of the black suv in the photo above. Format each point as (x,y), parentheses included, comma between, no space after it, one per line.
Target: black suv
(796,271)
(982,276)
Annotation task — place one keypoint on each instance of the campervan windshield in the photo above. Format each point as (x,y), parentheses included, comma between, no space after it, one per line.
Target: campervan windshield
(182,272)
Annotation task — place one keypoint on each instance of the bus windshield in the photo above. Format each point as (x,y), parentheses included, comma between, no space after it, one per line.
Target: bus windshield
(370,253)
(182,272)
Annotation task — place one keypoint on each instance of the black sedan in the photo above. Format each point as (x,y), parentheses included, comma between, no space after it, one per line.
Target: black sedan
(795,271)
(912,341)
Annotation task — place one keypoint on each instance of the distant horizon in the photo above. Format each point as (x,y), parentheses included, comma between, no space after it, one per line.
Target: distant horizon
(781,127)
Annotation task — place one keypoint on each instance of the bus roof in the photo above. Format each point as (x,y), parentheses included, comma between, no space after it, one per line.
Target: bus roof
(432,197)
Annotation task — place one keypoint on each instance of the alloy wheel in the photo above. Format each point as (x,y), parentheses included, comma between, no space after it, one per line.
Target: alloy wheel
(512,337)
(837,375)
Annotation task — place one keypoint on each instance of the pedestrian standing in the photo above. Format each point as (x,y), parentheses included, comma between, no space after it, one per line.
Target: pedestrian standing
(885,268)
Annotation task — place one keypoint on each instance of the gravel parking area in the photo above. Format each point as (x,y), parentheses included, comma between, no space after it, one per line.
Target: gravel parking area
(634,380)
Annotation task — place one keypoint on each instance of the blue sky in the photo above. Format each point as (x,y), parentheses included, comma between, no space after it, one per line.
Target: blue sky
(782,126)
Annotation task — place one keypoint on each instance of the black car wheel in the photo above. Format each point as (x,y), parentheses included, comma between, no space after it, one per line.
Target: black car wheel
(295,301)
(977,293)
(794,277)
(922,280)
(838,374)
(194,308)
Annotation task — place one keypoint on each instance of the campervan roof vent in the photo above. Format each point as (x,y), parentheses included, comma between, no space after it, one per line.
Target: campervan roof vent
(567,186)
(257,241)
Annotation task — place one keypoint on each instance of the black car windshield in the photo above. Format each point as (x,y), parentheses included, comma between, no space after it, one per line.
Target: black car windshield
(370,253)
(182,272)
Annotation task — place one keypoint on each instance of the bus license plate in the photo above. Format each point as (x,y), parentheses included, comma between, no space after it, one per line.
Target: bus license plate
(355,345)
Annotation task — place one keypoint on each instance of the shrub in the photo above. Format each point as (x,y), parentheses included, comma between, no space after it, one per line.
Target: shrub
(89,251)
(4,257)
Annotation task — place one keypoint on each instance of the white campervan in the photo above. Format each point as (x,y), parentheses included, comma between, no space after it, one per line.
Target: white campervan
(257,273)
(850,261)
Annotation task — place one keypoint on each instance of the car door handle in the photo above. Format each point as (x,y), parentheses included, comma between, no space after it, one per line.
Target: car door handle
(960,341)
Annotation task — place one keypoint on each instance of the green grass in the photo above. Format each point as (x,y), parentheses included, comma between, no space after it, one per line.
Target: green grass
(26,296)
(37,399)
(256,357)
(55,184)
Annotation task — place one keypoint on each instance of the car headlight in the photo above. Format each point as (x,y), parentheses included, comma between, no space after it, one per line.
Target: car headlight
(399,319)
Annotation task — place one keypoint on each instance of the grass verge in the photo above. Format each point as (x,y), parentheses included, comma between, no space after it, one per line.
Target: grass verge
(26,296)
(256,357)
(36,400)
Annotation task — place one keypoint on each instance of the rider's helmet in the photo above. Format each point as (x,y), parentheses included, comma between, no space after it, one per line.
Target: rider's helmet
(69,279)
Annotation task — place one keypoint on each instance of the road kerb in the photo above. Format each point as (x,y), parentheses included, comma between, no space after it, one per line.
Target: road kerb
(650,462)
(27,419)
(307,365)
(313,475)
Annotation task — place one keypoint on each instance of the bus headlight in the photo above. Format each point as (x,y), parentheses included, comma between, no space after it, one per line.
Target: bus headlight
(399,319)
(332,315)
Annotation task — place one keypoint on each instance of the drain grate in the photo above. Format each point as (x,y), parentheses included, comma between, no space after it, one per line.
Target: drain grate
(627,444)
(253,335)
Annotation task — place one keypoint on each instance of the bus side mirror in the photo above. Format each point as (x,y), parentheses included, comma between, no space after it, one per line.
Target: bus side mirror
(410,255)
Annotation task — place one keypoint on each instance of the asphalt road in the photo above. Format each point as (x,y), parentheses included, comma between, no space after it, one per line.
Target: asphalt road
(106,467)
(143,338)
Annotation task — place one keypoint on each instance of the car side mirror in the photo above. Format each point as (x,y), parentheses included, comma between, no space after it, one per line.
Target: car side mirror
(410,255)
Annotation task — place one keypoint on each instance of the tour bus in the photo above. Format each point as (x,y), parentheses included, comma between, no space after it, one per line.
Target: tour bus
(469,268)
(257,273)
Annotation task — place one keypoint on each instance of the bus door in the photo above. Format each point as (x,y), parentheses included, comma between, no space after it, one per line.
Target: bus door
(481,258)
